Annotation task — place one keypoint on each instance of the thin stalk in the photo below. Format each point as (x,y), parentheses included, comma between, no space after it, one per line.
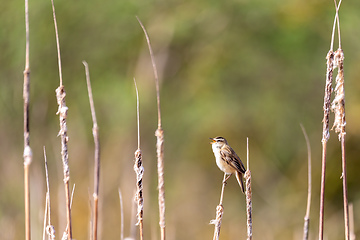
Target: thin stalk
(155,72)
(62,112)
(337,7)
(345,191)
(159,133)
(57,42)
(47,195)
(326,135)
(219,212)
(27,150)
(91,216)
(139,170)
(50,230)
(121,216)
(27,200)
(95,131)
(45,218)
(352,225)
(65,234)
(308,204)
(338,107)
(336,19)
(248,194)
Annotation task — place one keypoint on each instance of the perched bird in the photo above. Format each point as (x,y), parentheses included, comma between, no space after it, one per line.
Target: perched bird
(227,160)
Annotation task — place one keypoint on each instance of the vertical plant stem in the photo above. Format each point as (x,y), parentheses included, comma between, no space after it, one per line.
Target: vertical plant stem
(139,170)
(47,194)
(155,72)
(57,42)
(91,225)
(322,192)
(26,87)
(65,234)
(326,135)
(248,195)
(27,155)
(352,225)
(223,189)
(337,6)
(50,230)
(45,218)
(308,204)
(345,192)
(159,133)
(27,202)
(121,216)
(95,131)
(326,108)
(62,112)
(219,212)
(338,107)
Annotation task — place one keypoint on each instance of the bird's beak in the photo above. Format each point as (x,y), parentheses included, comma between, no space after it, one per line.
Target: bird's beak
(212,140)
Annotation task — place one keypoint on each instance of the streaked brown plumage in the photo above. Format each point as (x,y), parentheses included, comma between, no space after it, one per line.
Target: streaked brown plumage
(227,160)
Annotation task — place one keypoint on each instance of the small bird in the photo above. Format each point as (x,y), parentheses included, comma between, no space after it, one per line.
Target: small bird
(227,160)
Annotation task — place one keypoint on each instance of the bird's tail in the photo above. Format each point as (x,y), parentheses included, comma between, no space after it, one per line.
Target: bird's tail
(239,177)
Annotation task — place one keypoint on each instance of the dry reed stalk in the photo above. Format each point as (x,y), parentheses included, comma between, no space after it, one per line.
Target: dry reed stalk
(46,196)
(27,162)
(65,234)
(159,133)
(219,212)
(331,65)
(139,170)
(62,112)
(121,216)
(338,106)
(27,155)
(91,216)
(326,135)
(45,218)
(308,204)
(95,132)
(248,195)
(351,218)
(48,228)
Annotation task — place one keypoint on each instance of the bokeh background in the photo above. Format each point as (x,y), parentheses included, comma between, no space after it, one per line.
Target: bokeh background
(234,68)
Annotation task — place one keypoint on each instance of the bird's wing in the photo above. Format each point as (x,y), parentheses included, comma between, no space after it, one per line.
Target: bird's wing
(232,159)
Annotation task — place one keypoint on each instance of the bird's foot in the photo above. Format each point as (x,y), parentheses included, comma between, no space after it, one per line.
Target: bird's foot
(224,182)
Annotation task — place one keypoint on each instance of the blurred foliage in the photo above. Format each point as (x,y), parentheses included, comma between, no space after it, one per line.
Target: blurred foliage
(234,68)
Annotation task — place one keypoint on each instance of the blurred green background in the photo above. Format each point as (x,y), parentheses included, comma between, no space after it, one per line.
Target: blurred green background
(234,68)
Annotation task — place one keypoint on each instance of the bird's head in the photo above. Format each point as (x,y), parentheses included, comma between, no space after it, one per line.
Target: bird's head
(219,140)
